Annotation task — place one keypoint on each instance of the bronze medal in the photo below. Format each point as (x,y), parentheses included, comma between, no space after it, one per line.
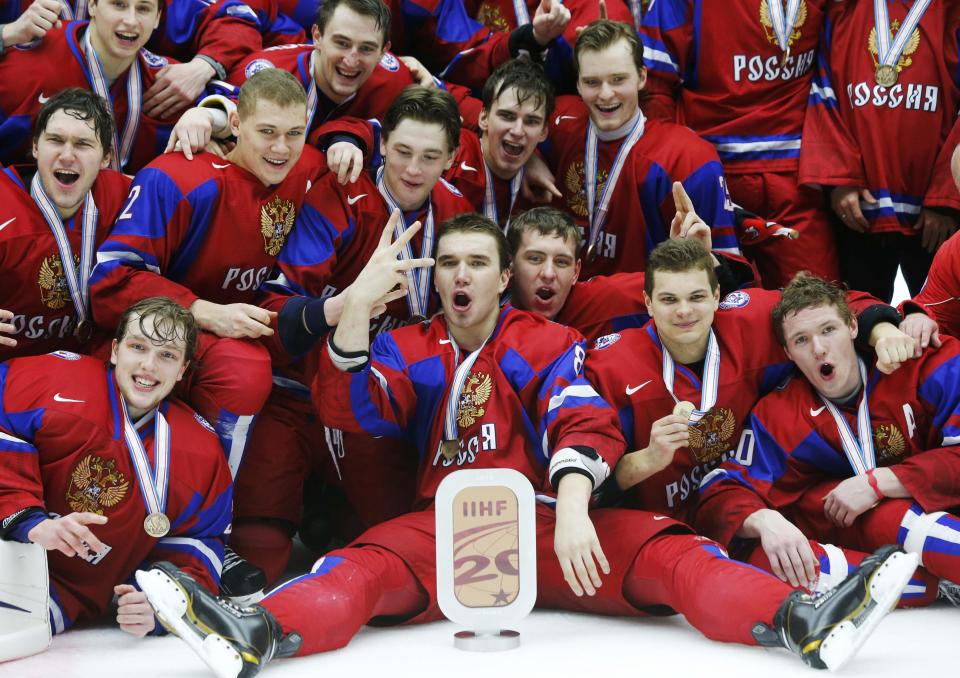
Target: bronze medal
(591,253)
(156,524)
(83,331)
(684,409)
(450,449)
(886,76)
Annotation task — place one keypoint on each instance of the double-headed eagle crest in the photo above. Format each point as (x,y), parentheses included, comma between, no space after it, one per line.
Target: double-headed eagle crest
(576,188)
(476,392)
(276,222)
(888,442)
(905,60)
(96,484)
(54,291)
(491,17)
(712,435)
(767,23)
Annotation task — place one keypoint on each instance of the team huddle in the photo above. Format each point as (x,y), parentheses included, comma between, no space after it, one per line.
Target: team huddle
(278,267)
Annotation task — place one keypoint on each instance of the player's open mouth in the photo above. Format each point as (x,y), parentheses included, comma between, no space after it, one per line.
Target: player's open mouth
(144,384)
(826,370)
(515,150)
(608,108)
(66,177)
(545,293)
(461,301)
(348,75)
(275,163)
(410,186)
(127,38)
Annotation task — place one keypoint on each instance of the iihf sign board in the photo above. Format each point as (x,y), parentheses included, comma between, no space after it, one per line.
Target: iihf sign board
(486,555)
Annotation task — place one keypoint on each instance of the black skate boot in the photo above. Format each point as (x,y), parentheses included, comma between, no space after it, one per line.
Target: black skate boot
(241,581)
(232,640)
(827,630)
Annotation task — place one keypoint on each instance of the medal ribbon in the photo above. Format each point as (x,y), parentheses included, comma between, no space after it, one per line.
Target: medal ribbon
(490,196)
(311,92)
(523,14)
(121,146)
(598,212)
(711,377)
(450,429)
(66,11)
(887,54)
(783,25)
(153,486)
(418,281)
(78,280)
(861,456)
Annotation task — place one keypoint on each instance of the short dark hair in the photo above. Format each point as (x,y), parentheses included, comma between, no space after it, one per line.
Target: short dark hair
(678,256)
(808,291)
(81,104)
(375,9)
(471,222)
(529,80)
(274,85)
(602,33)
(171,321)
(427,105)
(545,221)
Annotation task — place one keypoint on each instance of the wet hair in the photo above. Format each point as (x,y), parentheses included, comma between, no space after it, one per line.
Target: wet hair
(81,104)
(471,222)
(808,291)
(527,78)
(270,84)
(427,105)
(171,322)
(375,9)
(545,221)
(679,256)
(603,33)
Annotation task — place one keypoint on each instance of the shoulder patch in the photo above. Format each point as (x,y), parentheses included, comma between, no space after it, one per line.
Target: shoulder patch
(256,66)
(606,341)
(66,355)
(451,187)
(737,299)
(153,60)
(390,62)
(203,422)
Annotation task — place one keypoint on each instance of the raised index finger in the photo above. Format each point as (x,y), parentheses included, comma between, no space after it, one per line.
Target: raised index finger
(405,237)
(387,236)
(681,199)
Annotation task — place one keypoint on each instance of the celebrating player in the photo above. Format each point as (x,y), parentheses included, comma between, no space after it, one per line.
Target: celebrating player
(850,455)
(539,417)
(53,226)
(103,472)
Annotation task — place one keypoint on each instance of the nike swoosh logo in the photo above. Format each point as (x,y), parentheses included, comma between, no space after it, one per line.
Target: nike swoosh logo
(631,391)
(60,399)
(351,199)
(466,168)
(216,166)
(42,99)
(444,341)
(562,117)
(814,413)
(7,223)
(660,517)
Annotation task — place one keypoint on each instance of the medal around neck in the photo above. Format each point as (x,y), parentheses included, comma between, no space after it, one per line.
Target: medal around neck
(156,524)
(486,555)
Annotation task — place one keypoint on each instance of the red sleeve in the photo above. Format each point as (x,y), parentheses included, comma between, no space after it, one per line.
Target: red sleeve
(939,295)
(942,191)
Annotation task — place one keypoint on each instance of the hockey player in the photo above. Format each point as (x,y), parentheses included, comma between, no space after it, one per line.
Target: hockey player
(102,471)
(105,55)
(616,169)
(894,196)
(55,222)
(739,74)
(206,233)
(336,233)
(850,455)
(544,420)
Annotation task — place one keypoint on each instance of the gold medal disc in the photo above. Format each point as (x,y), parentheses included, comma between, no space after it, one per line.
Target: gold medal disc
(684,409)
(450,449)
(156,524)
(886,76)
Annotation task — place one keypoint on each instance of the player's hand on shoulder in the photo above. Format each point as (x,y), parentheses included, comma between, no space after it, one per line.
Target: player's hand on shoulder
(134,614)
(7,327)
(33,24)
(421,74)
(237,321)
(923,330)
(192,133)
(345,159)
(176,87)
(785,546)
(69,534)
(893,347)
(539,185)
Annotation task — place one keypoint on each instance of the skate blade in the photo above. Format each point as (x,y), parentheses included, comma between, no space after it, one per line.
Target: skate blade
(170,604)
(884,587)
